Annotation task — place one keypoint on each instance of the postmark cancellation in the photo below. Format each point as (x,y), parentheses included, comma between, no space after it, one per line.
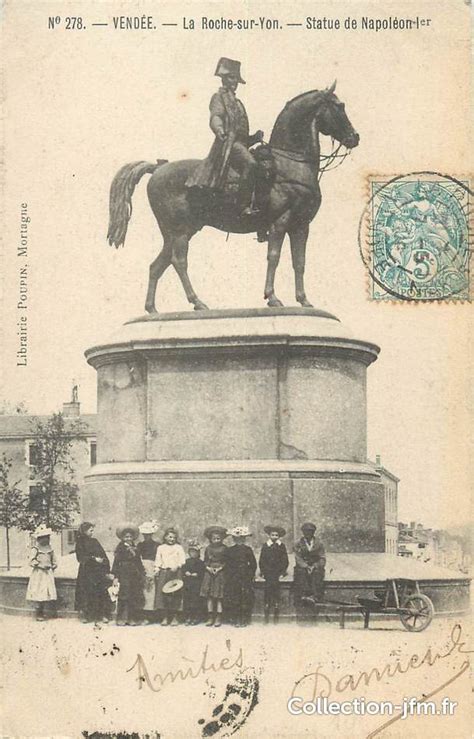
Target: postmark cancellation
(416,237)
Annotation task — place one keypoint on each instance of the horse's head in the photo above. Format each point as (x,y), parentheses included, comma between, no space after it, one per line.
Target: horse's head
(332,120)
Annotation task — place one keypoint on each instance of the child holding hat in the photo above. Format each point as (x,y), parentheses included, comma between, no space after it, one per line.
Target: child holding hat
(273,564)
(147,551)
(41,586)
(170,558)
(129,574)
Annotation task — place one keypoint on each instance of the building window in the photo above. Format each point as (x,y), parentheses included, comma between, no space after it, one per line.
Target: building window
(33,454)
(36,501)
(93,453)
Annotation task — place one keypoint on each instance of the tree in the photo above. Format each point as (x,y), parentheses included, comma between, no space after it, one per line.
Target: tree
(13,502)
(54,497)
(12,409)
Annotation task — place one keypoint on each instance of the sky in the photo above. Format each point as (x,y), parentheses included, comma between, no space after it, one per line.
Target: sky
(79,106)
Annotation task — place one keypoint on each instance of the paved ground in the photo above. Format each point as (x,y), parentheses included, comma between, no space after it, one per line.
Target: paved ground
(63,677)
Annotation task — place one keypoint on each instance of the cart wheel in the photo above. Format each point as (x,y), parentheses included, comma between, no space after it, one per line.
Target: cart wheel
(417,612)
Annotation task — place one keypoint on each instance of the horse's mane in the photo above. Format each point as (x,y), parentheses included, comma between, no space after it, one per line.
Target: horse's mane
(290,104)
(301,95)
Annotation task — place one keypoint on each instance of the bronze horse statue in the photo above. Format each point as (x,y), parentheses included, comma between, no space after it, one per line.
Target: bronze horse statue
(291,205)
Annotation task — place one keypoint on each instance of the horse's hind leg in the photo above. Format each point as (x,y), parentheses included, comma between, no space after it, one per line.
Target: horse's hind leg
(179,261)
(157,268)
(298,239)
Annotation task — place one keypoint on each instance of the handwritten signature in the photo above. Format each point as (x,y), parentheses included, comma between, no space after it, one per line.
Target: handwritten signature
(157,681)
(319,684)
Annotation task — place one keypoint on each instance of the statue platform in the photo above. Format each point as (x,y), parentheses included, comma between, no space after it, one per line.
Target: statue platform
(348,576)
(236,417)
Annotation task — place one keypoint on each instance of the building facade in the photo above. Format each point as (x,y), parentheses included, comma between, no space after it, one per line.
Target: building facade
(390,483)
(436,546)
(17,442)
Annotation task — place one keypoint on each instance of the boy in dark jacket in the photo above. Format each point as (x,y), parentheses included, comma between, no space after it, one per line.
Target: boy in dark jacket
(193,573)
(273,564)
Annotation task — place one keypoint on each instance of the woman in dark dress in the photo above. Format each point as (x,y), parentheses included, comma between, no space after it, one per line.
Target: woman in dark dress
(240,570)
(91,598)
(129,573)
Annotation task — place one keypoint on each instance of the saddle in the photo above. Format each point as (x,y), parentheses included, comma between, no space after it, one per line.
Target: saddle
(224,200)
(266,172)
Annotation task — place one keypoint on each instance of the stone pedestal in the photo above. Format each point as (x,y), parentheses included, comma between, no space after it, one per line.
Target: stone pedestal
(236,417)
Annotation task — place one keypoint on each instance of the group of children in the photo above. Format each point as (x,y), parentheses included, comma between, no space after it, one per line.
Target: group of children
(153,582)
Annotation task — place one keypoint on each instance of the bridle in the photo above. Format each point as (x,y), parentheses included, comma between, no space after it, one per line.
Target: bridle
(330,158)
(327,162)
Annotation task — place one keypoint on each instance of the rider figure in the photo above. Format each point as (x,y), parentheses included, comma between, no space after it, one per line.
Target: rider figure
(229,122)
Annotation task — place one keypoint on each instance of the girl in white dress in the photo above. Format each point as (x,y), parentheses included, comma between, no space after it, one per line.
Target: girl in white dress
(41,586)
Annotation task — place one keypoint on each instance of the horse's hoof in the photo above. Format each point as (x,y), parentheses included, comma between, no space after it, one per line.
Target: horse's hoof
(199,305)
(304,302)
(274,303)
(150,309)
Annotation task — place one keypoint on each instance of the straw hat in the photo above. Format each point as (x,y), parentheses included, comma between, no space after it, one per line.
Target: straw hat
(125,528)
(215,530)
(42,530)
(172,586)
(148,527)
(239,531)
(279,529)
(194,544)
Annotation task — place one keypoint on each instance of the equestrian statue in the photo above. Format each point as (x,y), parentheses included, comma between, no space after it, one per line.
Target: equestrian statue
(243,186)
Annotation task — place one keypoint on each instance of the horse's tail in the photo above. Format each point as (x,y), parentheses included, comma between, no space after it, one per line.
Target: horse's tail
(120,200)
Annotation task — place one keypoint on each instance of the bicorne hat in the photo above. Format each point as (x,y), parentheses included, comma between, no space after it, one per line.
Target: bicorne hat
(279,529)
(228,66)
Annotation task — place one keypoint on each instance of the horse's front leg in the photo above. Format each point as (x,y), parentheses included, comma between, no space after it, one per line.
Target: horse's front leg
(275,242)
(298,239)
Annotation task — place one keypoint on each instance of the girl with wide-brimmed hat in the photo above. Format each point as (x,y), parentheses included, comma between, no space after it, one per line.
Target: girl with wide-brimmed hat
(147,551)
(240,572)
(91,597)
(170,558)
(41,586)
(212,587)
(129,575)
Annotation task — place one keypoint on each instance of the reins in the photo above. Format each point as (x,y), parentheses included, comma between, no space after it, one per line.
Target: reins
(326,167)
(327,159)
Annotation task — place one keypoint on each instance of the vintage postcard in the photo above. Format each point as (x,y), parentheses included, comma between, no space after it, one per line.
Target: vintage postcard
(236,382)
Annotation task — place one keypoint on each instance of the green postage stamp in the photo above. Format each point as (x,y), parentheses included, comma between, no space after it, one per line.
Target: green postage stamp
(417,237)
